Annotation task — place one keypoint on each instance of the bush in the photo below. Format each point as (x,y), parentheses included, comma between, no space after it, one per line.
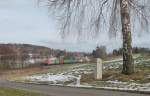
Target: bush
(100,52)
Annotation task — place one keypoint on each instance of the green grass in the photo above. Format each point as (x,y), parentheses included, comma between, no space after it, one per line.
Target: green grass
(16,92)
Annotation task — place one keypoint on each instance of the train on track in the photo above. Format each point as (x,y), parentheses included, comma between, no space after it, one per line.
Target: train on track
(55,61)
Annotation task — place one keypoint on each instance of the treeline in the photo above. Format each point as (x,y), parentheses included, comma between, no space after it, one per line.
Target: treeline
(25,49)
(22,49)
(135,50)
(100,52)
(25,55)
(19,55)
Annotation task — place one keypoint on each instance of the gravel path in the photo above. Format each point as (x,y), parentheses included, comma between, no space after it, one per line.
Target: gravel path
(66,91)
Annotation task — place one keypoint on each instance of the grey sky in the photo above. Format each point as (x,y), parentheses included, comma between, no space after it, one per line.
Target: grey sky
(22,21)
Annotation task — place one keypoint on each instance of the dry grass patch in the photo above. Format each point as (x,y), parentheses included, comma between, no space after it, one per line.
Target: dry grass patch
(140,76)
(8,74)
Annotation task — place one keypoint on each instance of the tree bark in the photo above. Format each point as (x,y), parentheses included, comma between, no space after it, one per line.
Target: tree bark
(128,62)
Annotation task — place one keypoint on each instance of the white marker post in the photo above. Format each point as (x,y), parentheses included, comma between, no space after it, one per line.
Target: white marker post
(99,69)
(78,80)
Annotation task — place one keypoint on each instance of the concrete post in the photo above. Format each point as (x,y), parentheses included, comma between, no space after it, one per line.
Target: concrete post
(78,80)
(99,69)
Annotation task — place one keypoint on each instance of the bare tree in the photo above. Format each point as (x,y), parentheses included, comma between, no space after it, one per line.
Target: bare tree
(90,17)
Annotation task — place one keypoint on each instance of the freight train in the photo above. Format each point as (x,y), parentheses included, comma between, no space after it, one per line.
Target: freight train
(54,61)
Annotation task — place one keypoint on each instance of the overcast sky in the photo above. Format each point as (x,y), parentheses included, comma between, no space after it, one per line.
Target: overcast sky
(23,21)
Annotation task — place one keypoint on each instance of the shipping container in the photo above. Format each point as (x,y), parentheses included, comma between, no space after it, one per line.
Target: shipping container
(56,61)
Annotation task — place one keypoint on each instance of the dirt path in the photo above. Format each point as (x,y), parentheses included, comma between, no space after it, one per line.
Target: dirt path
(66,91)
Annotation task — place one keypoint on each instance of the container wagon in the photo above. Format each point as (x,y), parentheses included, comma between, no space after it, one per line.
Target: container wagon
(60,61)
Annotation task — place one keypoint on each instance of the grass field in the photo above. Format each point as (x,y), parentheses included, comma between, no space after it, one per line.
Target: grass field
(112,76)
(15,92)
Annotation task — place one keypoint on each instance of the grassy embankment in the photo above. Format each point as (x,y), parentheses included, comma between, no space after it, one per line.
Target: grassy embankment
(141,75)
(15,92)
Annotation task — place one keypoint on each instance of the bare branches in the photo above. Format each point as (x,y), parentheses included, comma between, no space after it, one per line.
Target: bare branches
(140,12)
(115,20)
(81,17)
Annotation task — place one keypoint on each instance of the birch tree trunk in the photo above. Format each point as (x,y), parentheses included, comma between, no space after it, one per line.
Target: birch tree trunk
(128,62)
